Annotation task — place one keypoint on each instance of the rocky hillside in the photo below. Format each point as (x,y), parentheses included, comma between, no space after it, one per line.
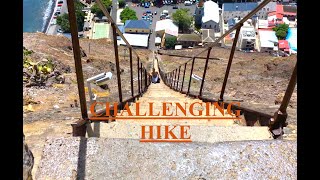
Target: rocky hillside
(54,94)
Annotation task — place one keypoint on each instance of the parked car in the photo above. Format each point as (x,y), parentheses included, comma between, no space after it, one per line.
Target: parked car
(146,5)
(60,2)
(59,30)
(175,7)
(59,5)
(59,8)
(187,3)
(144,14)
(148,12)
(57,13)
(155,13)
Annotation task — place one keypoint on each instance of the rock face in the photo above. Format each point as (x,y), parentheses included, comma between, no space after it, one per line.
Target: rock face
(28,161)
(100,158)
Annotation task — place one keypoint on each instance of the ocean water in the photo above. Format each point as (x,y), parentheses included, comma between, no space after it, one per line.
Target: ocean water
(36,14)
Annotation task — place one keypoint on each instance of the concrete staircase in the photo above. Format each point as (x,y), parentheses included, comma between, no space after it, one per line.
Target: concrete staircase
(216,130)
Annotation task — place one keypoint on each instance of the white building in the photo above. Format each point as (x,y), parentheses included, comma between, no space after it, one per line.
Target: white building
(165,28)
(137,40)
(247,37)
(268,40)
(211,16)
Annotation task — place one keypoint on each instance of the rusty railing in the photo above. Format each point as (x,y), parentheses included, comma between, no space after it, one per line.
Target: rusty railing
(143,82)
(275,122)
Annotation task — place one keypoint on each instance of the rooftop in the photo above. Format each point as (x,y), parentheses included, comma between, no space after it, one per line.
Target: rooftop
(249,6)
(140,40)
(284,44)
(211,12)
(267,38)
(208,35)
(189,37)
(139,24)
(167,26)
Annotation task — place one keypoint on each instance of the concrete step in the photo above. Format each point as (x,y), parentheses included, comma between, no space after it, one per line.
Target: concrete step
(105,158)
(200,130)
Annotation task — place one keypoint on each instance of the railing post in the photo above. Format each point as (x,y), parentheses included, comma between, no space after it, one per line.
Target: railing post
(184,73)
(138,65)
(145,79)
(280,116)
(205,71)
(141,71)
(178,78)
(172,79)
(131,72)
(235,40)
(115,45)
(79,130)
(175,78)
(191,71)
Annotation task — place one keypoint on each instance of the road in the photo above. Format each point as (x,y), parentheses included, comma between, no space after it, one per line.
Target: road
(52,29)
(141,10)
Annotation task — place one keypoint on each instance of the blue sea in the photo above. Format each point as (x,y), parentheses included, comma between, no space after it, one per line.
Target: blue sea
(36,14)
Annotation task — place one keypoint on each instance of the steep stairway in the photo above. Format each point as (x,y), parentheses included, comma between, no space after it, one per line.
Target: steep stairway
(215,130)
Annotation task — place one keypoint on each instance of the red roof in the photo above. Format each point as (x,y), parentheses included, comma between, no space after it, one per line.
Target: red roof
(272,13)
(283,44)
(280,8)
(290,13)
(279,16)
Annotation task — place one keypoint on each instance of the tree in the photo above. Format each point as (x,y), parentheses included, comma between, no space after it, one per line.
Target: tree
(95,9)
(63,20)
(182,18)
(128,14)
(122,3)
(170,42)
(281,30)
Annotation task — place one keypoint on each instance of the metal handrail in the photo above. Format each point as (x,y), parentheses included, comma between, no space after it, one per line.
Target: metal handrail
(79,127)
(276,122)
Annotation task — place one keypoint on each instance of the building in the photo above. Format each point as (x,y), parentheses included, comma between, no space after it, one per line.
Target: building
(211,16)
(207,36)
(283,14)
(231,23)
(137,27)
(237,10)
(165,28)
(199,12)
(136,40)
(241,9)
(268,40)
(265,24)
(284,46)
(207,15)
(188,40)
(247,37)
